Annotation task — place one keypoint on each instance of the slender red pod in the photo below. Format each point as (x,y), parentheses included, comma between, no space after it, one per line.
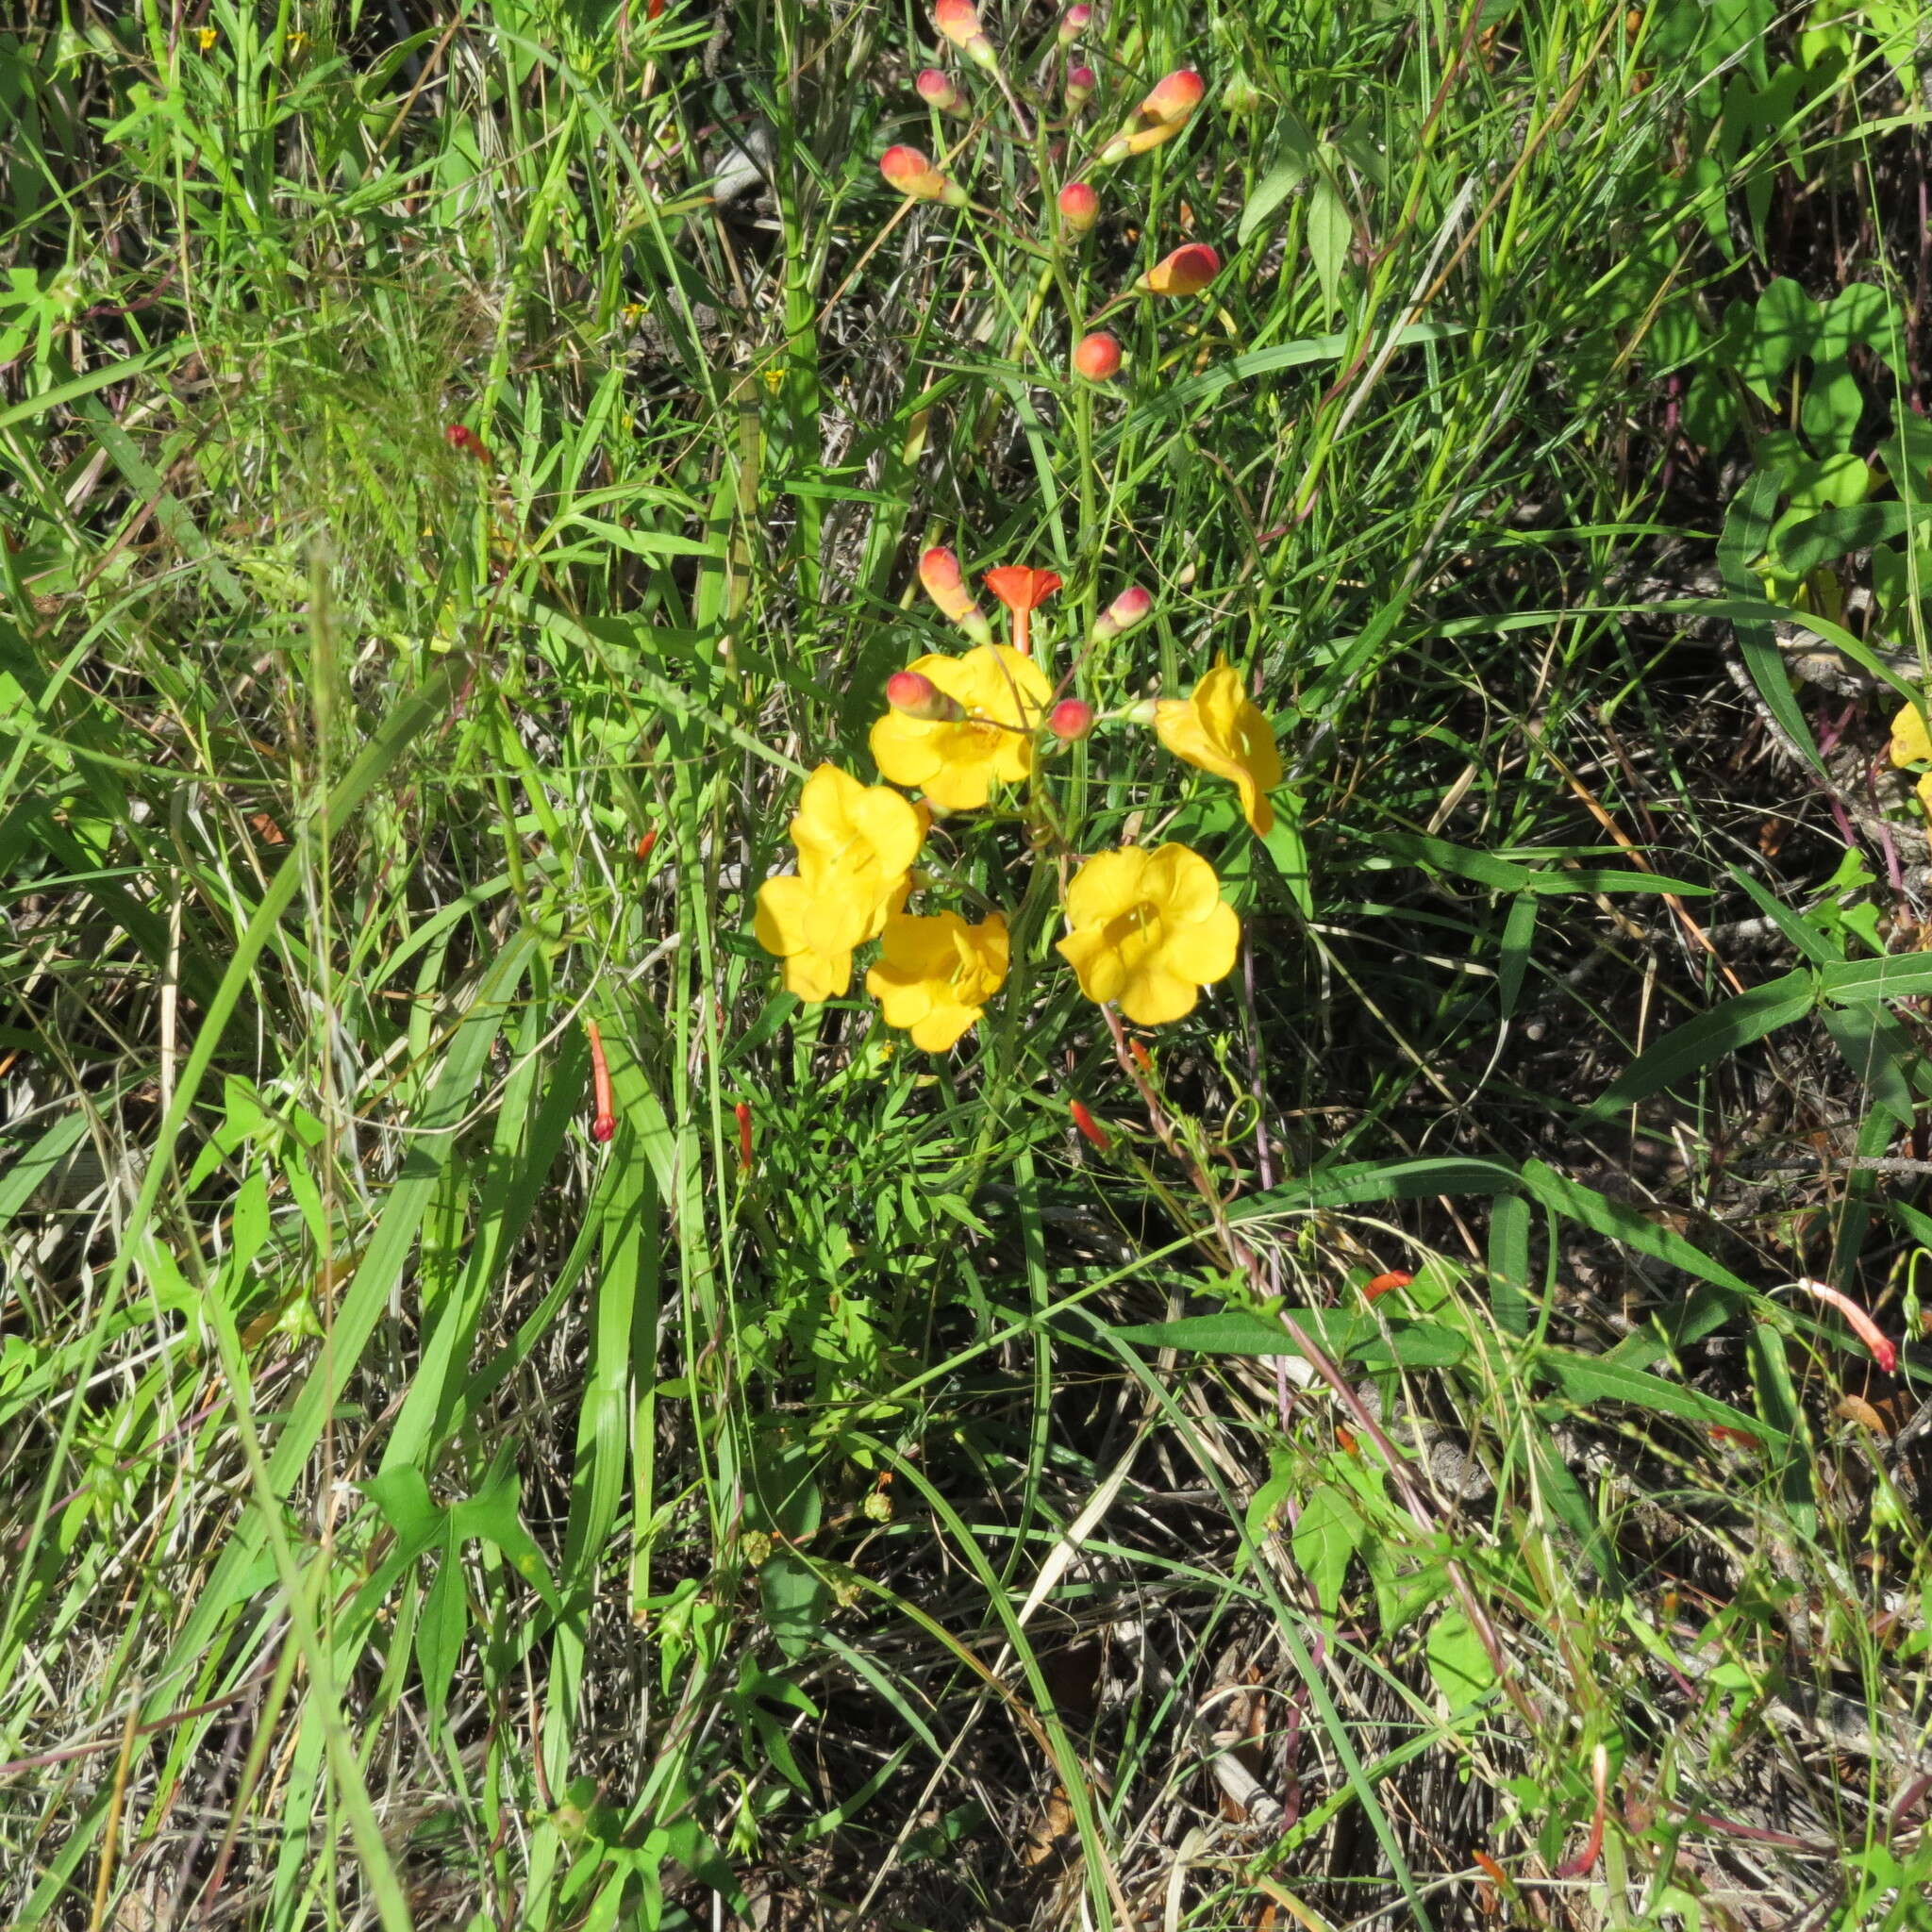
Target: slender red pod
(1382,1283)
(1143,1058)
(604,1124)
(645,842)
(1090,1128)
(743,1109)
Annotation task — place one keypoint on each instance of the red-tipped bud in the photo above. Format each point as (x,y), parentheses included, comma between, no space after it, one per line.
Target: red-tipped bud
(937,88)
(1074,22)
(915,177)
(604,1128)
(1383,1284)
(1868,1331)
(1090,1128)
(465,440)
(1186,272)
(1158,118)
(1129,609)
(939,571)
(959,22)
(1079,208)
(1098,356)
(1070,720)
(743,1112)
(1143,1058)
(1081,81)
(918,697)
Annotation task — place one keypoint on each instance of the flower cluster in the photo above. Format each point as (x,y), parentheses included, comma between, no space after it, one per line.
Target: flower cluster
(1146,928)
(1163,113)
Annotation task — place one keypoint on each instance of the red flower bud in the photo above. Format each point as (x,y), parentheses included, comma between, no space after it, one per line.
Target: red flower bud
(918,697)
(465,440)
(939,571)
(1143,1058)
(742,1111)
(1081,81)
(1079,206)
(1186,272)
(646,841)
(603,1126)
(1090,1128)
(1129,609)
(937,88)
(1070,720)
(1158,118)
(1384,1283)
(959,22)
(1074,22)
(1098,356)
(915,177)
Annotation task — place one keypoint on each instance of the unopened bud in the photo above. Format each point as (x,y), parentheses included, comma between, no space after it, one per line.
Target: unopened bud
(604,1128)
(1159,117)
(1074,22)
(1098,356)
(1186,272)
(1079,206)
(1129,609)
(1070,720)
(1241,96)
(959,22)
(1081,81)
(1090,1128)
(937,88)
(918,697)
(915,177)
(939,571)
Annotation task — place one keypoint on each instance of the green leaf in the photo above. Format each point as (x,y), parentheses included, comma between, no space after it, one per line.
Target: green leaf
(1331,234)
(1587,1378)
(1459,1665)
(1352,1182)
(1828,534)
(1747,530)
(1325,1537)
(1860,982)
(1705,1040)
(440,1631)
(1344,1336)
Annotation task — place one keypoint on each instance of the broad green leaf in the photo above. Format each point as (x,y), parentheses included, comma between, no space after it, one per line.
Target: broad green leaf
(1459,1667)
(1351,1337)
(1325,1537)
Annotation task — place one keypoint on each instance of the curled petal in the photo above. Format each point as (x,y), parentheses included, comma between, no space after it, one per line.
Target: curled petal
(1866,1330)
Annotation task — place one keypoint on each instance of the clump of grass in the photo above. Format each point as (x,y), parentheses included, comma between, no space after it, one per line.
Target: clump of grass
(1384,1473)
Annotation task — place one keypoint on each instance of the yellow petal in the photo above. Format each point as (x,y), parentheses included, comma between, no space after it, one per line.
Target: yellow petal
(963,781)
(815,977)
(903,748)
(1910,745)
(1922,790)
(1205,951)
(1095,961)
(943,1027)
(1154,998)
(1105,887)
(778,919)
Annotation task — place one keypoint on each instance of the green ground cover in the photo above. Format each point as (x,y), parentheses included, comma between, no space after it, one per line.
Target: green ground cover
(1437,1436)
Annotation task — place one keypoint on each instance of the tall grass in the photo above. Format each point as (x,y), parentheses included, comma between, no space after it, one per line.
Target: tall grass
(416,1512)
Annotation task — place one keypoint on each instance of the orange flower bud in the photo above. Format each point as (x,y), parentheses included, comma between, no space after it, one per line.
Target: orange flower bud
(1081,81)
(918,697)
(959,22)
(939,571)
(647,841)
(1070,720)
(743,1112)
(1074,22)
(1079,206)
(1384,1283)
(1143,1058)
(1129,609)
(604,1126)
(915,177)
(1098,356)
(1158,118)
(1186,272)
(937,88)
(1090,1128)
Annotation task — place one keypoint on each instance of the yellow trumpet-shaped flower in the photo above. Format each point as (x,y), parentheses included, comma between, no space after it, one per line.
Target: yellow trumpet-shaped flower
(957,762)
(1149,930)
(935,974)
(1219,731)
(855,847)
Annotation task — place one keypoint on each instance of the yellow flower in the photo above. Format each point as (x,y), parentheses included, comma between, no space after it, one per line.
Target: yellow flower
(1909,743)
(206,38)
(1922,793)
(855,845)
(1219,731)
(956,764)
(935,974)
(1149,928)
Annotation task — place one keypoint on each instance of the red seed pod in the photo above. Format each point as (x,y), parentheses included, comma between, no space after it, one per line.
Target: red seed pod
(604,1124)
(1098,356)
(1383,1284)
(1079,206)
(1070,720)
(743,1109)
(1090,1128)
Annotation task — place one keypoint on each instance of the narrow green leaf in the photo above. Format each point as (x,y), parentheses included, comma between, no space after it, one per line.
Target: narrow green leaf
(1704,1041)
